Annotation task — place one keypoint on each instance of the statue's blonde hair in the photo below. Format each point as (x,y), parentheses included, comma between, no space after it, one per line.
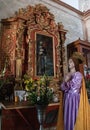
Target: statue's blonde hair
(79,56)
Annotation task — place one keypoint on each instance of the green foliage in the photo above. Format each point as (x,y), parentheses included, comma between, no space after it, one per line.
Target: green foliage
(88,83)
(87,79)
(39,91)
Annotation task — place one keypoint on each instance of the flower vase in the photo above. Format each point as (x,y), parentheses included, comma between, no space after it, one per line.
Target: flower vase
(41,110)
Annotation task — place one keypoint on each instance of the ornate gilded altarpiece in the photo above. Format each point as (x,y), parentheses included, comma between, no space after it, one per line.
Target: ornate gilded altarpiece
(33,43)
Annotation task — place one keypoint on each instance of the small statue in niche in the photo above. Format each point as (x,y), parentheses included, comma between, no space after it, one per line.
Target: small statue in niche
(20,33)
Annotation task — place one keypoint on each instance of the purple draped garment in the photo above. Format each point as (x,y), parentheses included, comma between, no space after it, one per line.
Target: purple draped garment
(71,100)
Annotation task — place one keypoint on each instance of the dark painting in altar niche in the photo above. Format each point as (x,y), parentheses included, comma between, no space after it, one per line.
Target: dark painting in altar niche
(44,55)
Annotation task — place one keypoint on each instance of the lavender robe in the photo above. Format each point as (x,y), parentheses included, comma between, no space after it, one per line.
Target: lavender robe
(71,100)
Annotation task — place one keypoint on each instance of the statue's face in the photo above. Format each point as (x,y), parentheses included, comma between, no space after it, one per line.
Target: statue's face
(71,64)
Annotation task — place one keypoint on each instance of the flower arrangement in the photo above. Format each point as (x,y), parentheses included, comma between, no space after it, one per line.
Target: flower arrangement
(38,91)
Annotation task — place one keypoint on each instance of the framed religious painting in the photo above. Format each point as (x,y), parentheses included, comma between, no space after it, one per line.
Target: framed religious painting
(44,52)
(44,55)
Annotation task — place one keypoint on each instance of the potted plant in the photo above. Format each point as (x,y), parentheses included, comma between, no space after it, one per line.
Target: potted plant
(39,94)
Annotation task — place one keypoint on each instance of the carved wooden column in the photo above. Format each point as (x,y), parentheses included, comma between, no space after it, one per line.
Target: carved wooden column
(30,56)
(61,49)
(19,47)
(8,43)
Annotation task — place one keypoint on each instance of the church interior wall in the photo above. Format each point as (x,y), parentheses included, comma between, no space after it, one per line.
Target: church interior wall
(71,20)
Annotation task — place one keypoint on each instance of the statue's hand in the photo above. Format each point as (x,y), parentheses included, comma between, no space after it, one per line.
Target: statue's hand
(67,77)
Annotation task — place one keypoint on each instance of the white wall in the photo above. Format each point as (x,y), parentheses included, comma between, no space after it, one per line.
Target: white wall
(84,5)
(73,3)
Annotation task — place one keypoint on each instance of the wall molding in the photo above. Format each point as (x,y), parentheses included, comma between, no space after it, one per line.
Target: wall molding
(68,6)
